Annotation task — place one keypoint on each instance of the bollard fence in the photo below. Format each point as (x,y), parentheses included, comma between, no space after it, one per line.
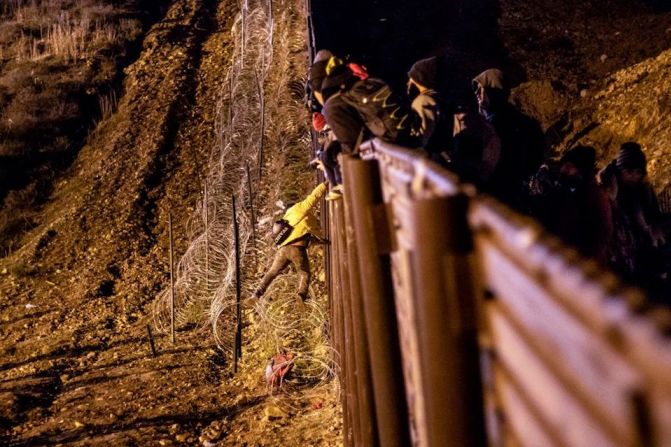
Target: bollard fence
(449,310)
(368,435)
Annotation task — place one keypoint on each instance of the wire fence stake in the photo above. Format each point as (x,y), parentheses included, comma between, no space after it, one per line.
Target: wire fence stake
(238,333)
(172,282)
(151,341)
(251,204)
(207,240)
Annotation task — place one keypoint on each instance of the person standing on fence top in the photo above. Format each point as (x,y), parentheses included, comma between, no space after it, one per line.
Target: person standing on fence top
(292,235)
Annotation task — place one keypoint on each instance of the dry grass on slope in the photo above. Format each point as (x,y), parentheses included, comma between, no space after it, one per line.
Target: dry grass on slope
(60,66)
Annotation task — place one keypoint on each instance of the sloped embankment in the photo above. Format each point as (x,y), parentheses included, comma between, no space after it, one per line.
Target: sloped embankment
(75,362)
(634,105)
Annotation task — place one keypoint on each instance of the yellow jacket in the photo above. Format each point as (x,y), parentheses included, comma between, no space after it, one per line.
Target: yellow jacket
(300,216)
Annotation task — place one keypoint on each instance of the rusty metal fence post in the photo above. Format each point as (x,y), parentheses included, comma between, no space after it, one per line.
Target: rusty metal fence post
(445,300)
(338,323)
(347,353)
(366,409)
(362,183)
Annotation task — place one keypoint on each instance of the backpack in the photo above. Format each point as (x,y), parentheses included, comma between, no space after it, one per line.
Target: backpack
(382,111)
(282,233)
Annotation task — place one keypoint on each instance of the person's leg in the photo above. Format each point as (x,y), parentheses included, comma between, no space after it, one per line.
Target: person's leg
(299,258)
(328,168)
(302,264)
(279,262)
(331,160)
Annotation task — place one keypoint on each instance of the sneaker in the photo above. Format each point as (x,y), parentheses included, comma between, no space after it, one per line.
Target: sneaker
(334,195)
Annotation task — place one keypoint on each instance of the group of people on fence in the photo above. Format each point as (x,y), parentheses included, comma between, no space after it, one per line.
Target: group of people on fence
(612,215)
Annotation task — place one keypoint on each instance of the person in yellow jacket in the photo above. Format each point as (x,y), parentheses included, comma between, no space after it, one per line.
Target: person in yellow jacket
(294,248)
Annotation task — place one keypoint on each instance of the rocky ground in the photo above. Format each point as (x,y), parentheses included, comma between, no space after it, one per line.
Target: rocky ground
(76,365)
(77,286)
(595,74)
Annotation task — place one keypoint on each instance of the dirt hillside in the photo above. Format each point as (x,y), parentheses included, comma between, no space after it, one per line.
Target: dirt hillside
(77,292)
(85,269)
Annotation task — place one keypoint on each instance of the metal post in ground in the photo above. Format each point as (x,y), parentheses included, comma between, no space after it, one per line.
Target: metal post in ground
(207,239)
(172,282)
(238,330)
(230,105)
(445,300)
(261,93)
(151,341)
(362,181)
(251,204)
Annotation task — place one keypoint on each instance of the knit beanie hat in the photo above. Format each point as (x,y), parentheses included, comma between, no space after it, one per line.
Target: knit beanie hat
(318,121)
(318,69)
(583,158)
(631,156)
(425,72)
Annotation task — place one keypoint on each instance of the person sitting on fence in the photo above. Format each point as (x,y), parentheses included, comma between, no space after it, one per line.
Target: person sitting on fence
(329,147)
(637,201)
(522,140)
(452,136)
(571,204)
(422,82)
(358,109)
(343,120)
(292,235)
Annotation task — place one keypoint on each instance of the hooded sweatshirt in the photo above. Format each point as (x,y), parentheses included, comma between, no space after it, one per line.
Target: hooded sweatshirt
(522,140)
(300,216)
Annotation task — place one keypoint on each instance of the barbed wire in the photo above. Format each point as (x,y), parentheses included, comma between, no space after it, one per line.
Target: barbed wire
(259,124)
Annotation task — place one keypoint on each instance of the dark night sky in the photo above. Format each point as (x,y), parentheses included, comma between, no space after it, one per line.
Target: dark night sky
(389,35)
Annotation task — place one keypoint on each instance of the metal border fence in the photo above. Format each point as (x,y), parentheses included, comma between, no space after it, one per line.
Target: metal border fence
(462,323)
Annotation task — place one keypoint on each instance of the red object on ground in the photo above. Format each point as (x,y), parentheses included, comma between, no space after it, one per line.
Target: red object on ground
(278,367)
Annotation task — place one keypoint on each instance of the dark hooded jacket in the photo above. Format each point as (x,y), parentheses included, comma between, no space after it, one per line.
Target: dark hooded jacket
(575,208)
(522,140)
(345,122)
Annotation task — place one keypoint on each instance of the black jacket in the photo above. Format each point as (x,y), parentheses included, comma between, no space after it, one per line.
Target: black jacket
(345,122)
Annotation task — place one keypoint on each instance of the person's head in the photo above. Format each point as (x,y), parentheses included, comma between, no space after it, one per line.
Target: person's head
(491,89)
(608,179)
(578,165)
(423,75)
(631,163)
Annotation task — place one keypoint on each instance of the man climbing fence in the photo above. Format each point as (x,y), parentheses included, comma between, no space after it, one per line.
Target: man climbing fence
(292,234)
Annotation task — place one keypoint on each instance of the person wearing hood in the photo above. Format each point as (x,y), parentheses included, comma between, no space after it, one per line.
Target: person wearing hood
(522,140)
(345,122)
(330,146)
(422,81)
(575,208)
(456,137)
(637,216)
(301,226)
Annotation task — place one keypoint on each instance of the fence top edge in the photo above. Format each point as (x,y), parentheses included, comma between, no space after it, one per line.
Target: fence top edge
(426,174)
(622,306)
